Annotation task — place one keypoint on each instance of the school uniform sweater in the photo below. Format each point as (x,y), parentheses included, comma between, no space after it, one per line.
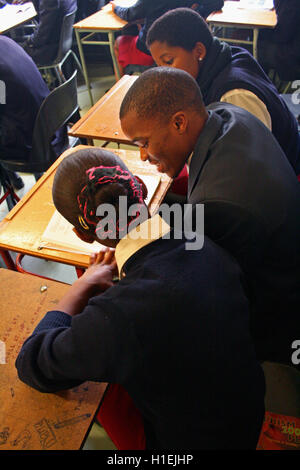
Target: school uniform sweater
(174,333)
(226,69)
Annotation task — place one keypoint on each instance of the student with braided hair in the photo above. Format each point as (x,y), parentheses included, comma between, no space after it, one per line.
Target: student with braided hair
(163,333)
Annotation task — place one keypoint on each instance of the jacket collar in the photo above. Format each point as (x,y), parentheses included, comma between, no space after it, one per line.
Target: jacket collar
(147,232)
(201,150)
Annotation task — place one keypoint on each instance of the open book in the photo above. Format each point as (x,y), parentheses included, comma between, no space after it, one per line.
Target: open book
(59,233)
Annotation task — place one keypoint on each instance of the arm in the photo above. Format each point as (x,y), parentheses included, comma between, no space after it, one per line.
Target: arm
(136,12)
(47,17)
(61,352)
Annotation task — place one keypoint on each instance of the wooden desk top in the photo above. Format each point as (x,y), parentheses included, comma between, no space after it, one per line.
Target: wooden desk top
(22,229)
(20,14)
(31,420)
(104,19)
(233,15)
(102,120)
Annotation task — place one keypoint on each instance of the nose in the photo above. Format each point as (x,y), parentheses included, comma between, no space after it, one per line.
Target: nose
(143,154)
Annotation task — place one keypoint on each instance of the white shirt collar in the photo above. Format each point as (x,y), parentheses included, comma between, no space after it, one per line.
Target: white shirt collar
(150,230)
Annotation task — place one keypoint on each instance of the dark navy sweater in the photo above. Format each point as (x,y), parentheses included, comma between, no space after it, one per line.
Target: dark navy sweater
(174,333)
(242,71)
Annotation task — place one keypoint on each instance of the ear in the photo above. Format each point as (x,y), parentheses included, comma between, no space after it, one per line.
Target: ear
(179,122)
(199,51)
(144,187)
(85,237)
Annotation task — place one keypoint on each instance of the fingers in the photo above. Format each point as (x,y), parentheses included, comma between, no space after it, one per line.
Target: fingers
(109,256)
(105,256)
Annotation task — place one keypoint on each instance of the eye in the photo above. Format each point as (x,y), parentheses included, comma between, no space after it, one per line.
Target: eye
(145,145)
(169,61)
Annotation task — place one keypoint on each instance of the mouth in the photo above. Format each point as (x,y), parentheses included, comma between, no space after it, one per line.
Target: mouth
(157,163)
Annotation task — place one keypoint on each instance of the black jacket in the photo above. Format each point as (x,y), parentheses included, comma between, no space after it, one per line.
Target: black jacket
(251,199)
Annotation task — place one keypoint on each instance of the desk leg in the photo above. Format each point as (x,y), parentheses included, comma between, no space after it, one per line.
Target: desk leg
(255,39)
(9,263)
(111,39)
(84,66)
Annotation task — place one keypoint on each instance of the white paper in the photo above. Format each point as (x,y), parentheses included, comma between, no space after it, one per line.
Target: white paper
(257,4)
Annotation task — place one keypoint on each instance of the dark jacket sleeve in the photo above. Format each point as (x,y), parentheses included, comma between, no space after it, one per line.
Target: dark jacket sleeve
(136,12)
(65,351)
(48,11)
(206,7)
(288,20)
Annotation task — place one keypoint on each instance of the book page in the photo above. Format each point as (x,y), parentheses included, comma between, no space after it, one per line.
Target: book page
(257,4)
(59,233)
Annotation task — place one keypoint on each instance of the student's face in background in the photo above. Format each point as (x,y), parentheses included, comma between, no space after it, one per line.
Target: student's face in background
(177,57)
(165,145)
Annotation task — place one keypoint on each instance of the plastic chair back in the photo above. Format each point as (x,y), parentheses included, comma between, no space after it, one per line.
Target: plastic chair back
(66,36)
(55,112)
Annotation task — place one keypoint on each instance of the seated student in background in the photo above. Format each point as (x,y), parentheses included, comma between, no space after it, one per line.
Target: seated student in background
(43,43)
(164,332)
(25,91)
(206,7)
(131,50)
(279,48)
(182,39)
(249,190)
(86,8)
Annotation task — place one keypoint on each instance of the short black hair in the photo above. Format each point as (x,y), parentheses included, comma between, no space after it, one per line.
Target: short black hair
(160,92)
(182,27)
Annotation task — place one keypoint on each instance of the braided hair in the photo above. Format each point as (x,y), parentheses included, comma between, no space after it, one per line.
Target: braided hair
(89,178)
(97,177)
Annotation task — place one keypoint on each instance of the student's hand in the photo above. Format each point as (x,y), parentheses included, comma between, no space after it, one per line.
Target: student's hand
(106,256)
(96,279)
(102,269)
(19,2)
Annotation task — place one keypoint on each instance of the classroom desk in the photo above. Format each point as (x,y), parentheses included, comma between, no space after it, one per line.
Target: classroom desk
(22,14)
(31,420)
(102,120)
(22,229)
(103,21)
(232,16)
